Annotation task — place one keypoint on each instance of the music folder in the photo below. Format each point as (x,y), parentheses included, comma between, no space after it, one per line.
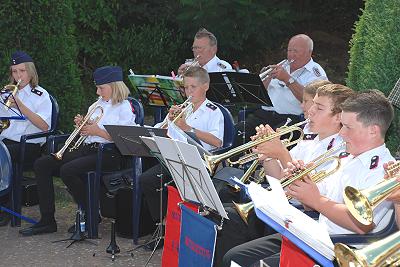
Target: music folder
(128,141)
(229,88)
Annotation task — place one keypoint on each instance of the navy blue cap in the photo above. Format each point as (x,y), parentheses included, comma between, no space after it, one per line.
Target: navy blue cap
(107,74)
(19,57)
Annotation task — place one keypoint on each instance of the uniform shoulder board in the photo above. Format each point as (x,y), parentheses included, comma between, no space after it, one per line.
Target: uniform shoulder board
(374,162)
(316,71)
(330,144)
(36,91)
(221,65)
(309,136)
(211,106)
(343,154)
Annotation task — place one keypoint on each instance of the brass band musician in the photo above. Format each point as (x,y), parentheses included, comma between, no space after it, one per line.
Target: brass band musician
(111,108)
(33,102)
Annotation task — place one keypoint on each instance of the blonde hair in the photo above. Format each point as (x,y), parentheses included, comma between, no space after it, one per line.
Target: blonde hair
(338,93)
(120,92)
(31,70)
(312,87)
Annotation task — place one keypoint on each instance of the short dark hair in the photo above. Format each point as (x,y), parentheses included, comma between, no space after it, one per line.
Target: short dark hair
(203,33)
(199,73)
(338,93)
(372,108)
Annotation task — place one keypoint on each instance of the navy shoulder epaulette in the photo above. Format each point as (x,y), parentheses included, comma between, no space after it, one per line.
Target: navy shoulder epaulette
(374,162)
(343,154)
(211,106)
(36,91)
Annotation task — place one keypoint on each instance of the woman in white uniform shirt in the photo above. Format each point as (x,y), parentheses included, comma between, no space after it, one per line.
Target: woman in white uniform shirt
(118,111)
(30,101)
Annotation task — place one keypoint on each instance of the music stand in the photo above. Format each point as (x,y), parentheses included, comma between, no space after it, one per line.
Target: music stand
(190,174)
(128,141)
(229,88)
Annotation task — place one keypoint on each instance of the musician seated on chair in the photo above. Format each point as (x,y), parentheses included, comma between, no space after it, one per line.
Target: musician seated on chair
(205,53)
(31,101)
(285,86)
(112,107)
(324,116)
(206,123)
(365,117)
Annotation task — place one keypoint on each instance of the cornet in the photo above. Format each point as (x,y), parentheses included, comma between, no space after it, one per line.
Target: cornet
(186,111)
(13,88)
(194,63)
(213,161)
(244,209)
(385,252)
(75,133)
(361,203)
(265,74)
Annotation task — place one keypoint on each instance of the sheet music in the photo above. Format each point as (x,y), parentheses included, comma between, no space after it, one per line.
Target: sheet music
(276,206)
(189,173)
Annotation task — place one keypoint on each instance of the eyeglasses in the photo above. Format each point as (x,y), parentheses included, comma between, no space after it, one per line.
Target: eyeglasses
(198,48)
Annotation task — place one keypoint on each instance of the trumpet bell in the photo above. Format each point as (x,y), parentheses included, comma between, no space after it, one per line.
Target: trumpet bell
(244,210)
(358,205)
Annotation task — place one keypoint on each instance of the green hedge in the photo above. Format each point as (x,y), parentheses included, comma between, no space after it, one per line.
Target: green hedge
(375,53)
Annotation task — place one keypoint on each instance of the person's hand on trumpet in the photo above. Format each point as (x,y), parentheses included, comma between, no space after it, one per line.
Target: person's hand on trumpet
(278,72)
(174,111)
(90,129)
(78,120)
(270,149)
(394,196)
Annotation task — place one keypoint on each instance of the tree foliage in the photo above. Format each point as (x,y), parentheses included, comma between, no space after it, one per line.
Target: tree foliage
(375,52)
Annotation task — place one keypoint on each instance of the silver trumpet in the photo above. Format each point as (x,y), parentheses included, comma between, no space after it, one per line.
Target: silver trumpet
(265,74)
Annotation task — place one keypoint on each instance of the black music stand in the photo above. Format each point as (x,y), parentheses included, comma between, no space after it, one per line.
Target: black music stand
(128,141)
(229,88)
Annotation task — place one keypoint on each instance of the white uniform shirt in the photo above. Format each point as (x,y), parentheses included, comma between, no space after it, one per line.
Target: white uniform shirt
(359,172)
(38,101)
(217,65)
(282,98)
(118,114)
(308,150)
(207,118)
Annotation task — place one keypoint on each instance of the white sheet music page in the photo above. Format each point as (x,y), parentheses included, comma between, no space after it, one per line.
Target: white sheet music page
(276,206)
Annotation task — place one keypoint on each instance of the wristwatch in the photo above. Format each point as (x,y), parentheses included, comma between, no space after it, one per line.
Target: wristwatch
(192,130)
(290,81)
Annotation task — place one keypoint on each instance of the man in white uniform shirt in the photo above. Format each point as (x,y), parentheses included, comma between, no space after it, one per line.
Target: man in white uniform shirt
(365,118)
(32,102)
(285,86)
(205,51)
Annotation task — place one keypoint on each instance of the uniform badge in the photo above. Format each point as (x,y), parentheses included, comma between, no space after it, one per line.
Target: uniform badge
(222,66)
(309,136)
(330,144)
(374,162)
(211,106)
(36,92)
(343,154)
(316,72)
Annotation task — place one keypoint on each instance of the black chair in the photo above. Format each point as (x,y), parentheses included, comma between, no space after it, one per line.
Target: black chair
(21,165)
(93,178)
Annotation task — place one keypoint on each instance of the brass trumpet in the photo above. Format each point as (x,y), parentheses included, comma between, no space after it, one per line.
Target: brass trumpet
(385,252)
(13,88)
(213,161)
(244,209)
(192,64)
(186,110)
(75,133)
(265,74)
(361,203)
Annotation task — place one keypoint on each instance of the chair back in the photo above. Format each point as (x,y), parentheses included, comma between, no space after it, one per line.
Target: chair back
(55,114)
(138,110)
(5,170)
(229,126)
(394,95)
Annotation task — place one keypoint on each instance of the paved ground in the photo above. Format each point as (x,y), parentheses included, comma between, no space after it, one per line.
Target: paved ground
(16,250)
